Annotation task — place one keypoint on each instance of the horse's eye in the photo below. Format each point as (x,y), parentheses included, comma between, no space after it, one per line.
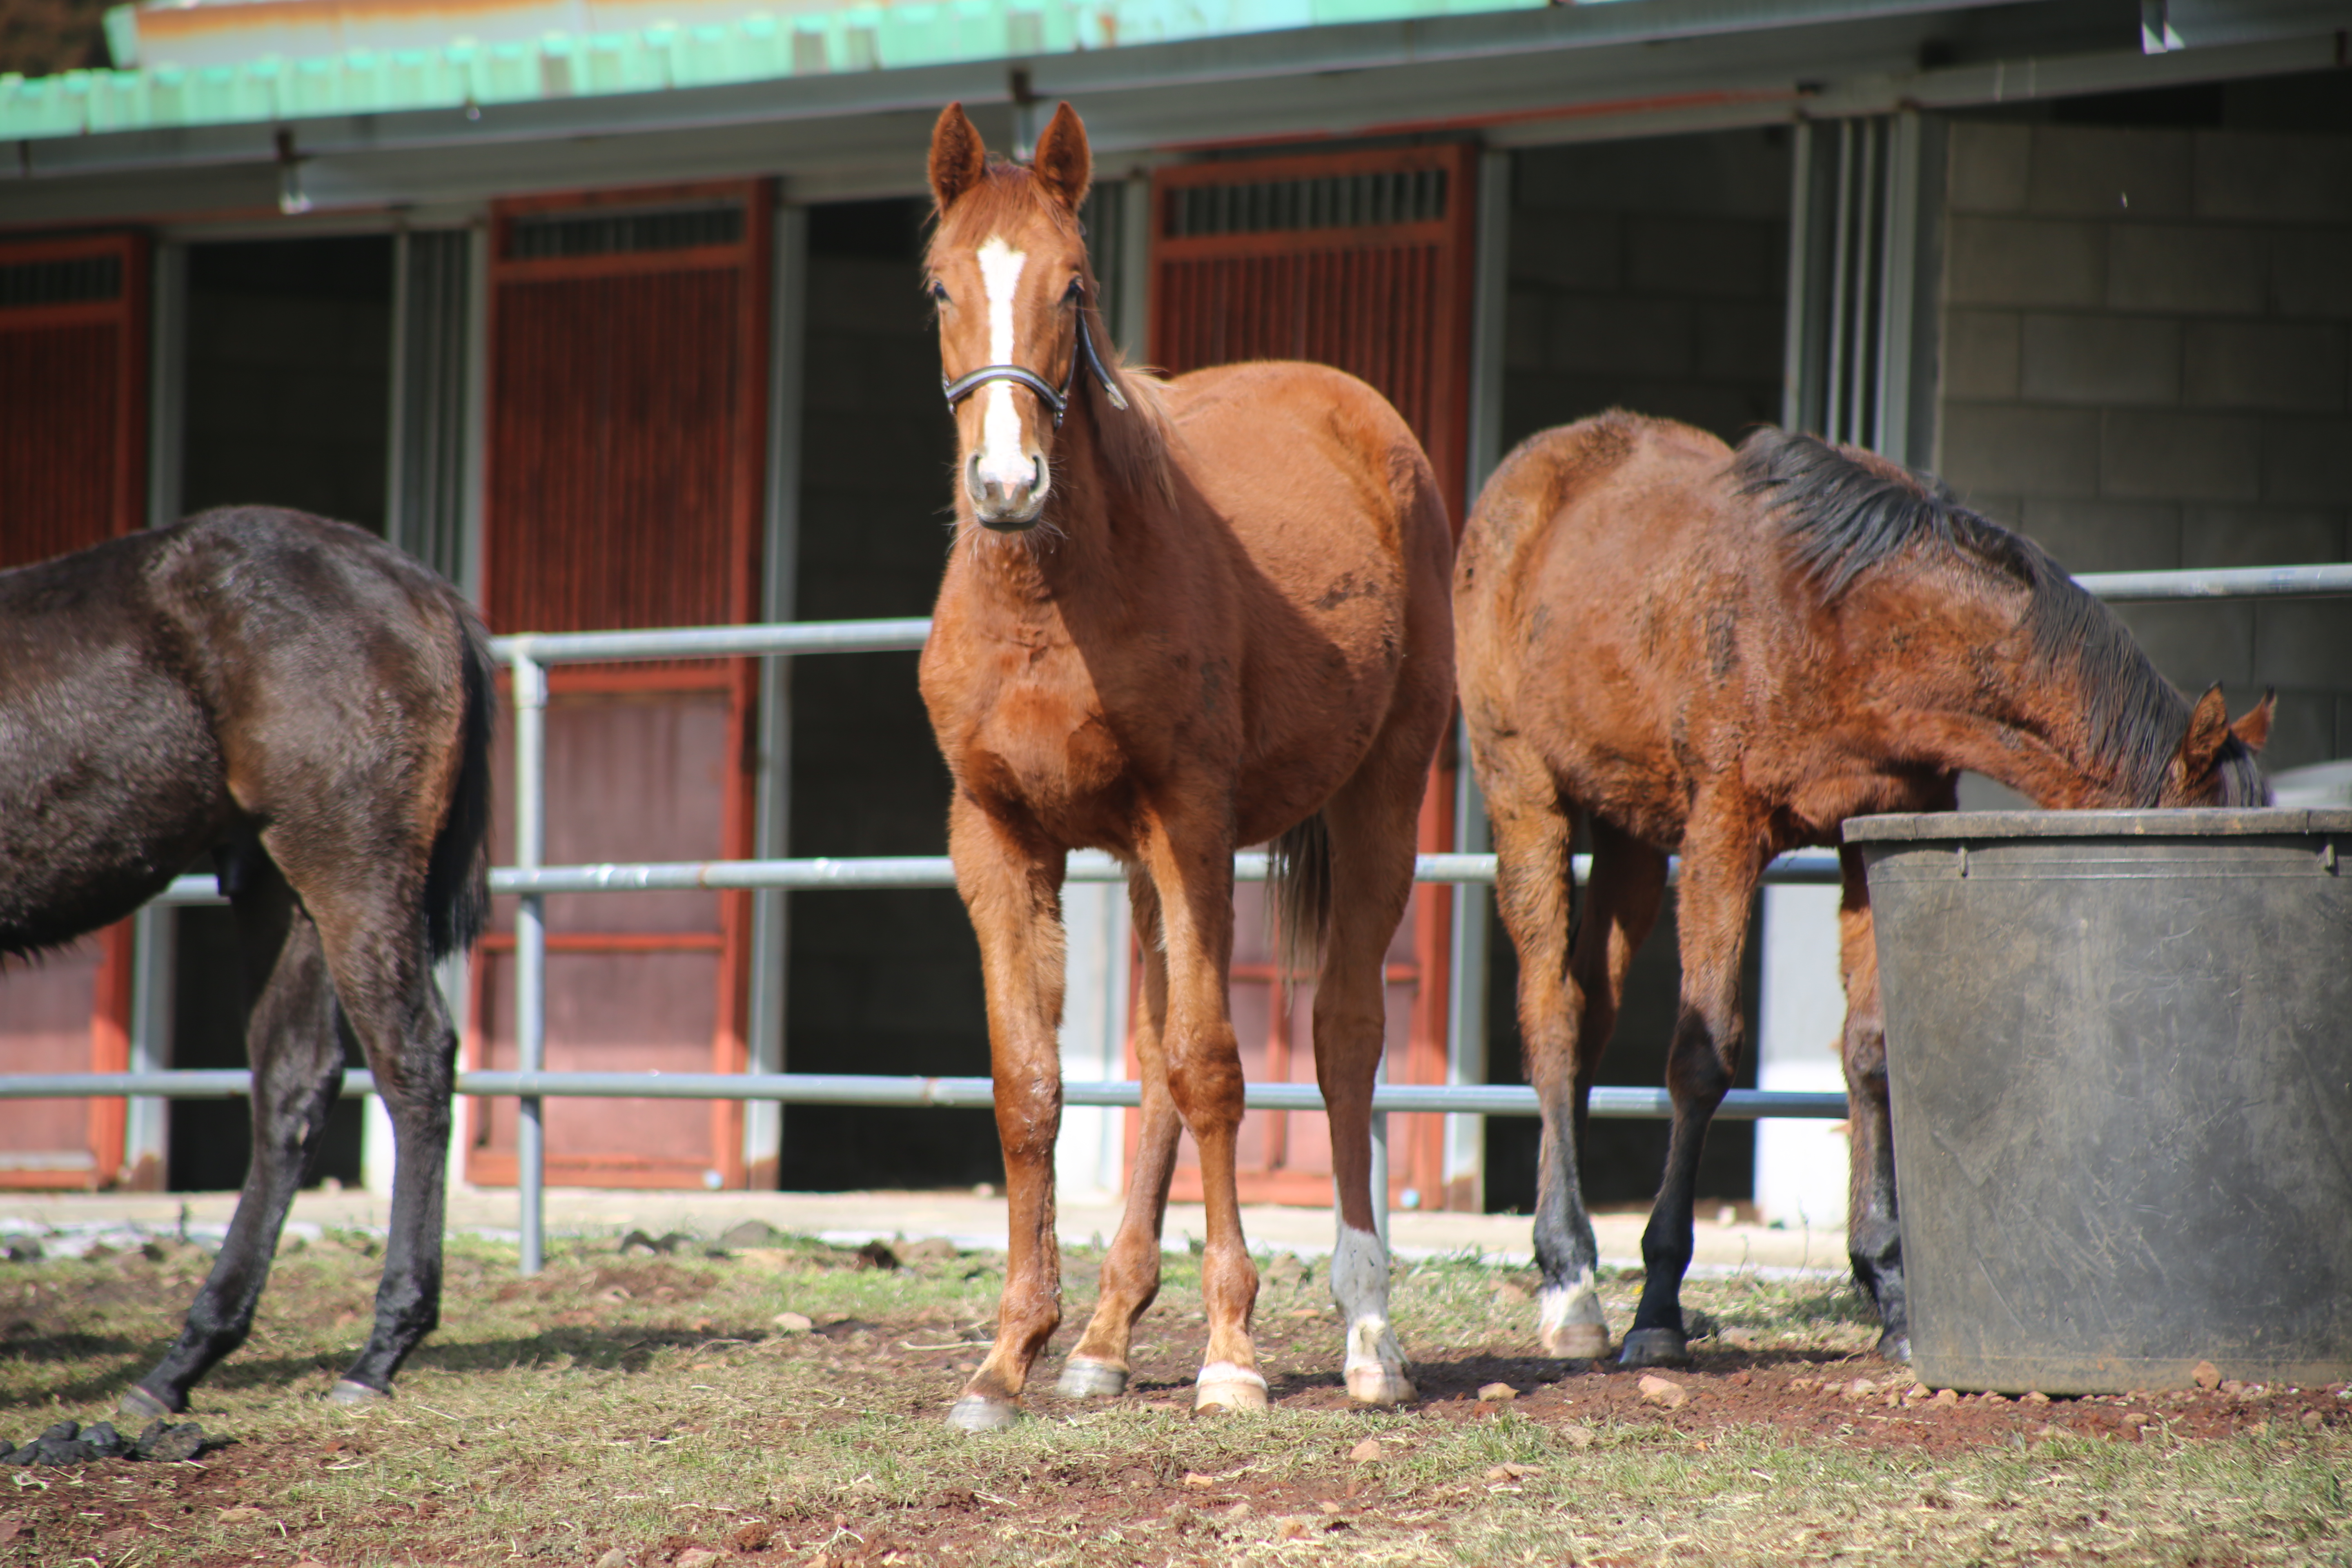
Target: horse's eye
(939,291)
(1076,292)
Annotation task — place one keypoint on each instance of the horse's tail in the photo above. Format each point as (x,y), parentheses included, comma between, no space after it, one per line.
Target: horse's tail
(458,876)
(1298,890)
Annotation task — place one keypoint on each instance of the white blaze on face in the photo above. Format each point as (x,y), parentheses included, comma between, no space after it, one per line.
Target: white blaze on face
(1001,458)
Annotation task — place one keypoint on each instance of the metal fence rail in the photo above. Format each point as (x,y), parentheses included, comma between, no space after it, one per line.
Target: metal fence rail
(530,655)
(946,1093)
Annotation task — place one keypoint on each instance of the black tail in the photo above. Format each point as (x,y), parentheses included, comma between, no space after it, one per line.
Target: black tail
(458,879)
(1298,887)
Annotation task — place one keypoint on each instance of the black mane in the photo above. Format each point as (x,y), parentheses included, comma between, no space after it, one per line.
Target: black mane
(1843,518)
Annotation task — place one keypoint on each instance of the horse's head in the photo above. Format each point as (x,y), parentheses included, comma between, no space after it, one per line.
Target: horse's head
(2215,765)
(1007,271)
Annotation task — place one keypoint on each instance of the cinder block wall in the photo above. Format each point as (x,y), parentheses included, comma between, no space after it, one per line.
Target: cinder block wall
(1648,274)
(2146,366)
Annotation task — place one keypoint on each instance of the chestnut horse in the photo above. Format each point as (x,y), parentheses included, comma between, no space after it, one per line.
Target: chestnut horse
(1178,617)
(312,708)
(1726,656)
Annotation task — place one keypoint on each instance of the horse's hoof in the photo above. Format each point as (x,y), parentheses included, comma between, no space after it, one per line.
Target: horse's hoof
(1090,1380)
(1224,1386)
(350,1391)
(1654,1347)
(1374,1384)
(1896,1347)
(978,1413)
(140,1405)
(1576,1342)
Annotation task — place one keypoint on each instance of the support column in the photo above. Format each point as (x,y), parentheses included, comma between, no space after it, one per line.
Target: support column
(764,1120)
(1466,1037)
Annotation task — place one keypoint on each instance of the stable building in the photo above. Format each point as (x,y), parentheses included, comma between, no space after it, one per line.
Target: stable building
(610,311)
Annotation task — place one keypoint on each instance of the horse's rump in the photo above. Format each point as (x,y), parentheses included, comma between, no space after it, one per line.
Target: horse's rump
(176,690)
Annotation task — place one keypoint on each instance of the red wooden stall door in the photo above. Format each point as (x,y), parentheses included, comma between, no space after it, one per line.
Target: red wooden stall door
(628,359)
(1359,260)
(73,441)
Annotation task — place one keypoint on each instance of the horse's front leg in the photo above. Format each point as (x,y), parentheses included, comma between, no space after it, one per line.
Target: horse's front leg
(1130,1269)
(1872,1229)
(1722,855)
(1012,884)
(1190,862)
(297,1067)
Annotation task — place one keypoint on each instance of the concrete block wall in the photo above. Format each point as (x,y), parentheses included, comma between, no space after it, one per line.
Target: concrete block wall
(288,396)
(2147,342)
(1648,275)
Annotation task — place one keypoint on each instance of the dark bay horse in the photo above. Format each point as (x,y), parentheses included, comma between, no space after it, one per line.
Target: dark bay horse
(1178,617)
(313,708)
(1726,656)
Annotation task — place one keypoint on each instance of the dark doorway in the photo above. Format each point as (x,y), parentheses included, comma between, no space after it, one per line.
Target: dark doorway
(879,982)
(287,401)
(1648,275)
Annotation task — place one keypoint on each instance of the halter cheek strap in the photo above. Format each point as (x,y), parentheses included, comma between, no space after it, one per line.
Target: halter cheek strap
(963,386)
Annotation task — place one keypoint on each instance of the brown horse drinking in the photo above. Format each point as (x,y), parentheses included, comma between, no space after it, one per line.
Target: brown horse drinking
(312,708)
(1178,617)
(1724,657)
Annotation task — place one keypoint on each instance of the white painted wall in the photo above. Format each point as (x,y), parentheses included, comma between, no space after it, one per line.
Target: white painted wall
(1088,1158)
(1801,1166)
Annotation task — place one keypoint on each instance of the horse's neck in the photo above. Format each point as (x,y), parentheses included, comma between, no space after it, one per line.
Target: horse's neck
(1072,563)
(2030,728)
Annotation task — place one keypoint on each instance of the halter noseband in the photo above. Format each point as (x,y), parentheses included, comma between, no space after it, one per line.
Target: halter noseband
(1059,402)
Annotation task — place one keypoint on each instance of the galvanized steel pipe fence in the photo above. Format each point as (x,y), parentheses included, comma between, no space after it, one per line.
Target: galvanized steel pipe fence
(529,656)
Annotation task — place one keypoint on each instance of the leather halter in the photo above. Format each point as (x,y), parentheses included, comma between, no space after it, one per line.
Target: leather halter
(1059,402)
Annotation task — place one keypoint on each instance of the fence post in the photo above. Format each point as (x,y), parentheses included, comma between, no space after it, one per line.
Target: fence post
(530,941)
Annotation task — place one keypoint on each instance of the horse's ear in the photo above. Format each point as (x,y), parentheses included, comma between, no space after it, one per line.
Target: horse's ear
(2254,728)
(1064,163)
(2208,727)
(958,158)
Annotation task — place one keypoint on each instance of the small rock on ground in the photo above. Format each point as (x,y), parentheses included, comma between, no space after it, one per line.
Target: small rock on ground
(2206,1376)
(1656,1390)
(1365,1452)
(1498,1392)
(749,1233)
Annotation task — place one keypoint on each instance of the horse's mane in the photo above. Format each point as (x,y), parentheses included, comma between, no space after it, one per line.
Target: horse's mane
(1136,443)
(1845,512)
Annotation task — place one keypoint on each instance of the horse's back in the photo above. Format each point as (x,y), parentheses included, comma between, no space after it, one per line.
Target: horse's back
(1329,496)
(1600,568)
(247,663)
(1285,441)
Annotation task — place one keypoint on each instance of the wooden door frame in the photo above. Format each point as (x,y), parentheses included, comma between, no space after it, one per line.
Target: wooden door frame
(1417,1142)
(737,679)
(109,1026)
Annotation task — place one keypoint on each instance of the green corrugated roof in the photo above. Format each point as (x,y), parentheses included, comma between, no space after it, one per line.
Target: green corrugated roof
(756,48)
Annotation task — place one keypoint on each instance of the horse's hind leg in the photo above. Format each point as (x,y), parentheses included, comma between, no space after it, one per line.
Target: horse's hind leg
(1874,1236)
(297,1063)
(1372,845)
(1130,1269)
(1722,859)
(373,947)
(1620,907)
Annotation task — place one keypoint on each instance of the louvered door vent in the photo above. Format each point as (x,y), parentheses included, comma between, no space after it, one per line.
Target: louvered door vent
(1331,201)
(612,232)
(68,281)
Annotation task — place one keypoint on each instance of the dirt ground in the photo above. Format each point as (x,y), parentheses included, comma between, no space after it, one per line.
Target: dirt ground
(641,1410)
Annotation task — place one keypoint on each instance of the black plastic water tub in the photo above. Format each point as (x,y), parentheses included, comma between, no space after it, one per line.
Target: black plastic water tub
(2119,1045)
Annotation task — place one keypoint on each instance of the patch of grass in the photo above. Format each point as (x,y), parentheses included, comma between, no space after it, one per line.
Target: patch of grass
(649,1404)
